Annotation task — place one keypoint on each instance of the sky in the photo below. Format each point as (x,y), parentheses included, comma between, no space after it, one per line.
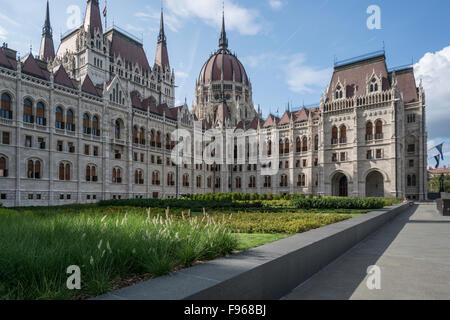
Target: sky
(288,47)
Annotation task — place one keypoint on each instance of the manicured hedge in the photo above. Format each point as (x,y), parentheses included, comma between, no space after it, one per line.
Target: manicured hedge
(302,202)
(182,204)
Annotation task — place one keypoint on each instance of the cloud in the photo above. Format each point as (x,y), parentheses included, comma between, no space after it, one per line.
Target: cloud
(154,15)
(276,4)
(238,18)
(434,70)
(3,33)
(181,75)
(302,78)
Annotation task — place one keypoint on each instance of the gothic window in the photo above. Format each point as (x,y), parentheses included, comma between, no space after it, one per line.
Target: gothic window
(6,112)
(199,181)
(339,92)
(3,167)
(170,179)
(281,146)
(152,138)
(142,137)
(40,114)
(284,181)
(334,135)
(158,139)
(117,129)
(138,177)
(64,171)
(28,111)
(379,130)
(373,85)
(34,169)
(269,148)
(59,118)
(298,144)
(209,182)
(305,144)
(286,146)
(70,121)
(316,143)
(135,135)
(186,180)
(86,124)
(267,182)
(369,131)
(252,183)
(343,135)
(116,176)
(95,126)
(238,183)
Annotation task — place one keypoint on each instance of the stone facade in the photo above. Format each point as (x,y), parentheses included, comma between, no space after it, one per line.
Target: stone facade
(96,122)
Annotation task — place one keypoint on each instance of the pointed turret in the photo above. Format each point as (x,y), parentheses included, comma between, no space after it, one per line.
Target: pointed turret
(92,19)
(47,50)
(223,41)
(162,55)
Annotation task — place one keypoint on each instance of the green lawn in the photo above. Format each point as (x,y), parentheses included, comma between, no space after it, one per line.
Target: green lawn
(248,240)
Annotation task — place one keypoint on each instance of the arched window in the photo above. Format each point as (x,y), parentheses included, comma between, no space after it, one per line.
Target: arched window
(138,177)
(238,183)
(59,123)
(269,148)
(369,131)
(286,146)
(28,111)
(6,112)
(186,180)
(64,171)
(142,137)
(95,126)
(339,92)
(281,146)
(301,182)
(409,181)
(316,142)
(135,135)
(155,178)
(70,120)
(209,182)
(218,183)
(117,129)
(34,169)
(88,173)
(86,124)
(168,142)
(284,181)
(379,130)
(3,167)
(152,138)
(158,139)
(40,114)
(343,135)
(298,145)
(334,135)
(267,182)
(252,182)
(305,144)
(116,176)
(170,179)
(199,181)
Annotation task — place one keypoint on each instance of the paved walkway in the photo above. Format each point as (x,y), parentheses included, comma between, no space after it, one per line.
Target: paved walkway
(412,251)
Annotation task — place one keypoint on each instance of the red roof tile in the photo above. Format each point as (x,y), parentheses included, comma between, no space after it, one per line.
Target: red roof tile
(89,87)
(31,67)
(62,78)
(407,85)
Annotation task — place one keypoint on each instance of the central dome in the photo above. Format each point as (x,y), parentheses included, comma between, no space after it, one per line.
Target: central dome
(223,62)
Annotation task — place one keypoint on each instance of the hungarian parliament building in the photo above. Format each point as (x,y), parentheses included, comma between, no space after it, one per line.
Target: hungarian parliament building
(93,121)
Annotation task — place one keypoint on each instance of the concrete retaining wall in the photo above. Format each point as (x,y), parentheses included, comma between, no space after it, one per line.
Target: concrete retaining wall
(264,273)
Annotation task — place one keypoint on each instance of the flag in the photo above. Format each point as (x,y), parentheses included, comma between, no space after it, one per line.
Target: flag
(440,149)
(104,12)
(437,158)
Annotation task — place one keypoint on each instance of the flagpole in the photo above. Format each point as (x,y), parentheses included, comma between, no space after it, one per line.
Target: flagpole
(106,15)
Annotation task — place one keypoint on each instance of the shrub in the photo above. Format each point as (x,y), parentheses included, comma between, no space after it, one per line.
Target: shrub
(303,202)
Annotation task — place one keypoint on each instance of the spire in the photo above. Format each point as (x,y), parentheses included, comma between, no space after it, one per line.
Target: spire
(47,50)
(162,55)
(223,42)
(162,35)
(47,30)
(92,19)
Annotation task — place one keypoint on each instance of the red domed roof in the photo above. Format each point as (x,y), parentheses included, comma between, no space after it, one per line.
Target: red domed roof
(223,61)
